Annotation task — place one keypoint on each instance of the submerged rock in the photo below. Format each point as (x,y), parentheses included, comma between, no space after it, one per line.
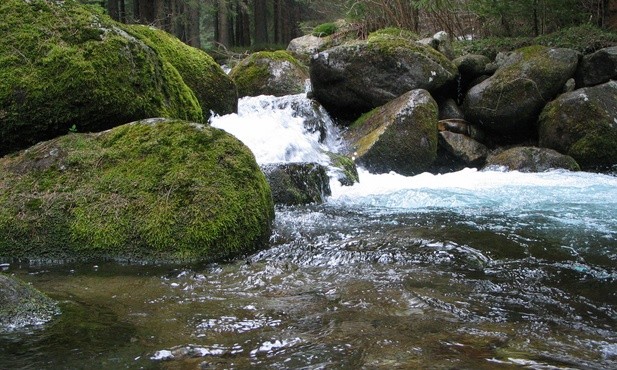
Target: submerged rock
(64,66)
(583,124)
(298,183)
(400,136)
(510,101)
(21,305)
(531,159)
(270,73)
(162,190)
(358,76)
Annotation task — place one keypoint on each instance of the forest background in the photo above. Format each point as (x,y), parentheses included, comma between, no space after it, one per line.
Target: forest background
(227,25)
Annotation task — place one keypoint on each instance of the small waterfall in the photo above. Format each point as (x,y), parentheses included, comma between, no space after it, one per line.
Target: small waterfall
(284,129)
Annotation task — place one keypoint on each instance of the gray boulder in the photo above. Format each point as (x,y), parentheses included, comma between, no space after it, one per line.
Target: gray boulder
(304,47)
(509,102)
(21,305)
(464,148)
(531,159)
(275,73)
(358,76)
(583,124)
(448,109)
(472,65)
(598,67)
(297,183)
(400,136)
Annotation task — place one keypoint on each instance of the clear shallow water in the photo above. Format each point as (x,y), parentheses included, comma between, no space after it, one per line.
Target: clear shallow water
(469,270)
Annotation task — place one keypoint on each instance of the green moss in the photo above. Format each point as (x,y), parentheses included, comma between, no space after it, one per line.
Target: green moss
(168,191)
(254,76)
(585,39)
(392,32)
(214,90)
(63,65)
(325,29)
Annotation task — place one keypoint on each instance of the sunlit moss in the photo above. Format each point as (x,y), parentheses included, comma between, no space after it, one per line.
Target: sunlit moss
(63,66)
(168,191)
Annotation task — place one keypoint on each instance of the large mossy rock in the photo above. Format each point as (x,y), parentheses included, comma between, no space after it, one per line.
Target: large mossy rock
(213,88)
(509,102)
(62,64)
(21,305)
(275,73)
(159,190)
(531,159)
(358,76)
(583,125)
(400,136)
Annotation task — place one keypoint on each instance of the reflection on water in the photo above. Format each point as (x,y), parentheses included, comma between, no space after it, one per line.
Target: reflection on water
(344,286)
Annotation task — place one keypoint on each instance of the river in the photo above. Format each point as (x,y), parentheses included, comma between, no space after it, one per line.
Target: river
(466,270)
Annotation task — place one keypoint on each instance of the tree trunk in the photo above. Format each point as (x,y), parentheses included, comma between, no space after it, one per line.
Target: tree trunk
(260,13)
(223,23)
(112,9)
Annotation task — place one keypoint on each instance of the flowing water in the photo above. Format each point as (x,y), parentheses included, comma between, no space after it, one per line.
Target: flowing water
(467,270)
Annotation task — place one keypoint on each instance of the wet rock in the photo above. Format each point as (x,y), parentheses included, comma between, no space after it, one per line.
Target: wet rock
(531,159)
(400,136)
(358,76)
(448,109)
(343,169)
(461,126)
(157,190)
(598,68)
(275,73)
(583,125)
(21,305)
(298,183)
(510,101)
(463,147)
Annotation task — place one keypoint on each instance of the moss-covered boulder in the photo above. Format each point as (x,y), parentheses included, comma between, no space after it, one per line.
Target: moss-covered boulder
(213,88)
(509,102)
(159,189)
(583,125)
(358,76)
(275,73)
(21,305)
(531,159)
(400,136)
(63,65)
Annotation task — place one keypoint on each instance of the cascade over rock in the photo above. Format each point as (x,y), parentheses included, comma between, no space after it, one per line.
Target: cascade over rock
(509,102)
(155,190)
(63,65)
(583,124)
(358,76)
(275,73)
(531,159)
(400,136)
